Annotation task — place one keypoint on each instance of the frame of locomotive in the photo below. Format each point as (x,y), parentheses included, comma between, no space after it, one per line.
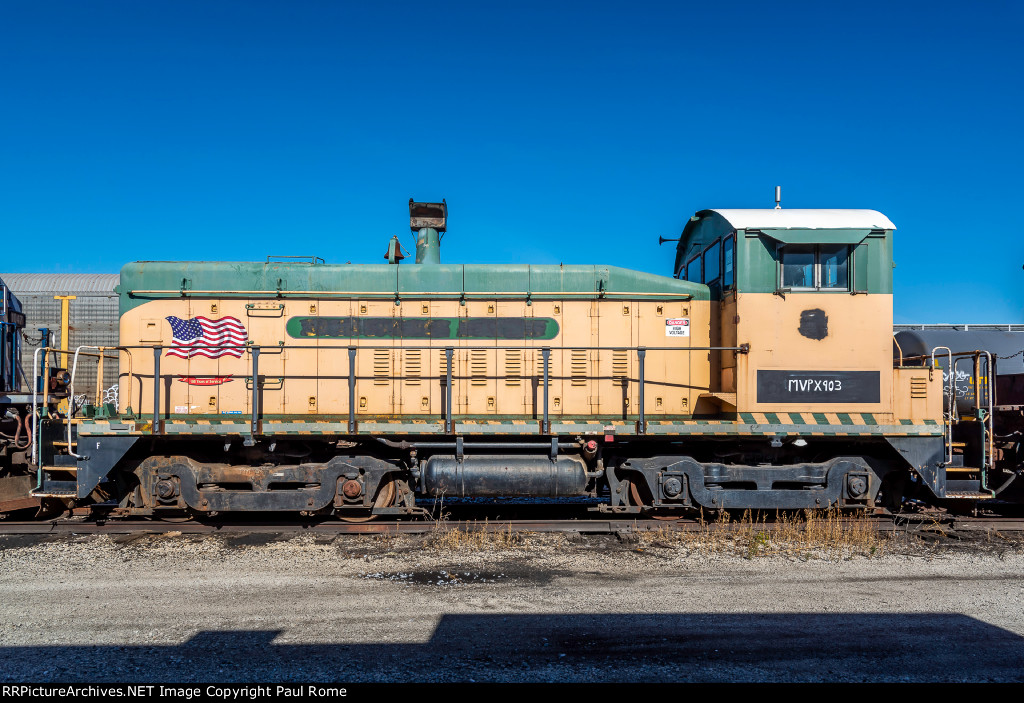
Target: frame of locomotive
(361,387)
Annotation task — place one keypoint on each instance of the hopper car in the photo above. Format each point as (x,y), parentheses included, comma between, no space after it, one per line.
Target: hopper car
(760,374)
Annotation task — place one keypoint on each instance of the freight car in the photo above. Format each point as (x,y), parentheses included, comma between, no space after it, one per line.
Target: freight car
(760,375)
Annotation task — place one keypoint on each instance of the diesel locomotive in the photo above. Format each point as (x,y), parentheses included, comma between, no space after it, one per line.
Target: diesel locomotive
(760,375)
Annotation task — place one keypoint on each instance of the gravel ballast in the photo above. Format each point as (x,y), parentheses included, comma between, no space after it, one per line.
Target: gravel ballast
(547,608)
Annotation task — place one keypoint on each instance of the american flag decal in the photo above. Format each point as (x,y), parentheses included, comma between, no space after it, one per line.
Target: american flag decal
(227,334)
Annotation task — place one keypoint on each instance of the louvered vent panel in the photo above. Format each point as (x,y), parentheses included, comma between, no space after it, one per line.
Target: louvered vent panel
(620,364)
(513,367)
(578,367)
(413,367)
(540,369)
(478,367)
(381,367)
(919,387)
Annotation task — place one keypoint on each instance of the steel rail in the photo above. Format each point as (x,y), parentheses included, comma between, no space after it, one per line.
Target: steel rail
(624,525)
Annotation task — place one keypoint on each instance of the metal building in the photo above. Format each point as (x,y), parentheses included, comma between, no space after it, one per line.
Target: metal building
(93,317)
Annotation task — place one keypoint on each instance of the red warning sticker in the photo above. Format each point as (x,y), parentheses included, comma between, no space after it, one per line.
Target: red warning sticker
(677,327)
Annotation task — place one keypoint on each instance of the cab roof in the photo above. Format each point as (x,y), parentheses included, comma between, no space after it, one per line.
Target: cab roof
(803,219)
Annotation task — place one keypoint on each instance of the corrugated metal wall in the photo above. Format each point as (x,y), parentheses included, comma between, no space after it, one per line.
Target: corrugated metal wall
(93,318)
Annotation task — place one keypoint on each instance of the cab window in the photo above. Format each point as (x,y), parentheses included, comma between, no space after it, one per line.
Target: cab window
(834,264)
(712,262)
(815,267)
(693,270)
(728,267)
(798,266)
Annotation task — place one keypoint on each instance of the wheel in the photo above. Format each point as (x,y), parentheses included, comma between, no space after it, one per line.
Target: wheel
(385,499)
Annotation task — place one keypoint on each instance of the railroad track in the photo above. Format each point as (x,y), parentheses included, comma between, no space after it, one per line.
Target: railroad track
(622,526)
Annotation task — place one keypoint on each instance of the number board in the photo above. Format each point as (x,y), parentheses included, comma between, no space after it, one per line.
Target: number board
(818,386)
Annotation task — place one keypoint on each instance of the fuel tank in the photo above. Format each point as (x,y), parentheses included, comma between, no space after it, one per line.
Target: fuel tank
(512,475)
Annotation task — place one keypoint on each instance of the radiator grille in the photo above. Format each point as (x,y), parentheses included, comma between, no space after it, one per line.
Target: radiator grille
(381,367)
(620,365)
(478,367)
(513,367)
(578,367)
(413,367)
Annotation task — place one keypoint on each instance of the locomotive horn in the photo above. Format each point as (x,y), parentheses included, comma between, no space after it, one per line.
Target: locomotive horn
(662,240)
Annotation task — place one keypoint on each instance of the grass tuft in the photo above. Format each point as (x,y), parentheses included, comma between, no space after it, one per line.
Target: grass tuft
(807,534)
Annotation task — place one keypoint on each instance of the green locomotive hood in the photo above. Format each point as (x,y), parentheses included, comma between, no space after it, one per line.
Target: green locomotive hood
(143,281)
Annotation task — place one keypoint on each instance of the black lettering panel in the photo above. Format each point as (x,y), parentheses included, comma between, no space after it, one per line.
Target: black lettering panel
(818,386)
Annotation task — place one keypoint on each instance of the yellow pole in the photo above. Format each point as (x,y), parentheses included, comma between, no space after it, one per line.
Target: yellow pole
(65,323)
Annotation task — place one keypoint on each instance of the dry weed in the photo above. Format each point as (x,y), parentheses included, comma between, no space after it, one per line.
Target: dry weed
(446,537)
(807,534)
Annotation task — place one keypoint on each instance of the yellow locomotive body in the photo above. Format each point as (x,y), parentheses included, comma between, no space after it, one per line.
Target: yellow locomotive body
(400,370)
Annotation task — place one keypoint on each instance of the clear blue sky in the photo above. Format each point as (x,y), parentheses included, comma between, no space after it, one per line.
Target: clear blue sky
(558,132)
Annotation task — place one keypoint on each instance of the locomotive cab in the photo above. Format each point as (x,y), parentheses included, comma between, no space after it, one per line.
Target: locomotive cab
(810,292)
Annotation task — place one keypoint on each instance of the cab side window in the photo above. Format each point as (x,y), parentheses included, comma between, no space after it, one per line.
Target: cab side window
(814,267)
(714,266)
(834,264)
(712,262)
(798,266)
(693,269)
(728,258)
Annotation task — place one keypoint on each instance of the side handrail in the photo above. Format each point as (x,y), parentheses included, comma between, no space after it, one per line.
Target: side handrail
(449,350)
(983,412)
(71,384)
(99,371)
(949,417)
(990,388)
(34,453)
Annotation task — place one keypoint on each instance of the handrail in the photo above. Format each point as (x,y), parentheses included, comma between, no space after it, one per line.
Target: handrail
(990,388)
(33,454)
(99,380)
(399,345)
(71,392)
(928,356)
(394,294)
(449,350)
(951,394)
(985,421)
(312,259)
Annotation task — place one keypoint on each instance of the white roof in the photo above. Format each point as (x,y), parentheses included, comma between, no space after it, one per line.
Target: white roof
(805,219)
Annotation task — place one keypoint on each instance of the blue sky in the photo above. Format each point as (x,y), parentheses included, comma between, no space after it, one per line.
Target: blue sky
(557,132)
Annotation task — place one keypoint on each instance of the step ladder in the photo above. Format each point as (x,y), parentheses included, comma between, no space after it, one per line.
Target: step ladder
(58,481)
(964,482)
(963,488)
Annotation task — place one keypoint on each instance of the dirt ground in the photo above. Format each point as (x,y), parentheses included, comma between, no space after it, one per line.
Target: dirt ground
(262,607)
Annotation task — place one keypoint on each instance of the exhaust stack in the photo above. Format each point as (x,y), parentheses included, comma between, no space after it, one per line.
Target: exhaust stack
(428,221)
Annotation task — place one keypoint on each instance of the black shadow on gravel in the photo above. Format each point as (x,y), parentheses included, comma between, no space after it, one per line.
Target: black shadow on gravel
(585,648)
